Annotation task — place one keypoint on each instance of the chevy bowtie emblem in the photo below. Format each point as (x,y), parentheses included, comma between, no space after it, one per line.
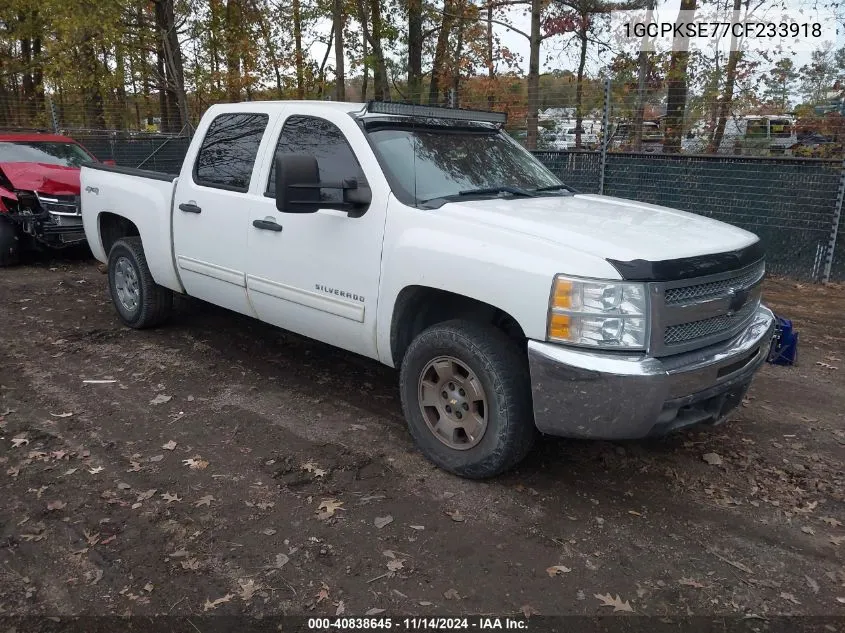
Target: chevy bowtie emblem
(738,297)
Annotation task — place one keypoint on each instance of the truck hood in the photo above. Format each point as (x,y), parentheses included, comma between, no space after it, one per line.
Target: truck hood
(607,227)
(43,178)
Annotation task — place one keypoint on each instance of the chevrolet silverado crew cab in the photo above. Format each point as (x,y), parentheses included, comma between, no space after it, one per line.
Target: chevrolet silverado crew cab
(428,239)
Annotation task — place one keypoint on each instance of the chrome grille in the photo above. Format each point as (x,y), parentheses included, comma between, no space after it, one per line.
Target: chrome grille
(714,289)
(59,205)
(694,313)
(684,332)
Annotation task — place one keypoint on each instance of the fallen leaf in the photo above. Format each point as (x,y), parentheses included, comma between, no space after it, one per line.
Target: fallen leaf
(149,587)
(17,442)
(789,597)
(169,446)
(425,603)
(94,576)
(328,507)
(808,530)
(616,603)
(528,611)
(192,564)
(179,553)
(248,589)
(837,540)
(156,458)
(92,538)
(195,463)
(268,531)
(170,497)
(213,604)
(123,486)
(831,521)
(204,501)
(56,505)
(373,611)
(557,570)
(456,516)
(840,600)
(134,467)
(61,415)
(282,560)
(396,564)
(96,471)
(452,594)
(265,505)
(143,496)
(341,608)
(323,594)
(161,399)
(689,582)
(417,527)
(380,522)
(319,473)
(70,471)
(714,459)
(812,584)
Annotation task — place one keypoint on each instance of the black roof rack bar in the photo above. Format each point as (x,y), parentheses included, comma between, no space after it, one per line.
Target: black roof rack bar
(436,112)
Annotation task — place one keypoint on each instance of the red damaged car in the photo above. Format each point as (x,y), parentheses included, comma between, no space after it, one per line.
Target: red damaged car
(39,193)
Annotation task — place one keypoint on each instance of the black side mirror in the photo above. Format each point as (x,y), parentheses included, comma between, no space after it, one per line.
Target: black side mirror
(297,183)
(298,188)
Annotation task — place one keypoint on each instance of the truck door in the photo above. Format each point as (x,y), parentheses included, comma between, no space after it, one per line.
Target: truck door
(210,217)
(317,274)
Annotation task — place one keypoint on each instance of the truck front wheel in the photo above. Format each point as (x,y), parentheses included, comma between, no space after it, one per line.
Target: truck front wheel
(139,300)
(466,395)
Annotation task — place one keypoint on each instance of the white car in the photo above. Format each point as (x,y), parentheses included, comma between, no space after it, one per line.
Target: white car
(427,239)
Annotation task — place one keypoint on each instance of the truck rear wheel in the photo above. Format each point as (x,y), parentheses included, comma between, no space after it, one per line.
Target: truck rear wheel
(140,301)
(466,395)
(9,243)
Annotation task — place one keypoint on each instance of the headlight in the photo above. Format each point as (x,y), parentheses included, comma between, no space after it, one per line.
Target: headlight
(594,313)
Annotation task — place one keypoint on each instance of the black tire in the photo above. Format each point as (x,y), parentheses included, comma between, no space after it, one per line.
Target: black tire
(502,369)
(9,243)
(154,303)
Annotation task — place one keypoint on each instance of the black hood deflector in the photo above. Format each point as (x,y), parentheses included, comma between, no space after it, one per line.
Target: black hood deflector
(688,267)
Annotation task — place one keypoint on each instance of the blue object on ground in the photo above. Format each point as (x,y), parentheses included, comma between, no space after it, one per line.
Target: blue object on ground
(784,349)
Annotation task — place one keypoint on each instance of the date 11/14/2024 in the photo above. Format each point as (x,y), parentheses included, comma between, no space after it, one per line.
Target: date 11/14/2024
(417,623)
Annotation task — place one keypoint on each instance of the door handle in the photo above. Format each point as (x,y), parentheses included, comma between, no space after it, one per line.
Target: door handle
(267,225)
(189,207)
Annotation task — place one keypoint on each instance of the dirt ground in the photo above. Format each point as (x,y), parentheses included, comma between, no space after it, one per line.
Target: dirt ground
(228,467)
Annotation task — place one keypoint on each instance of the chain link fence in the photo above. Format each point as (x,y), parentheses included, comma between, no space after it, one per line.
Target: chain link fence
(776,173)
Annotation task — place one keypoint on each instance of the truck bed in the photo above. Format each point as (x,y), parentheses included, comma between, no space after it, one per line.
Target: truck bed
(134,171)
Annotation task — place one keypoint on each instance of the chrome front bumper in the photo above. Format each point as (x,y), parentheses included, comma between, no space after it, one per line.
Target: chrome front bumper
(605,395)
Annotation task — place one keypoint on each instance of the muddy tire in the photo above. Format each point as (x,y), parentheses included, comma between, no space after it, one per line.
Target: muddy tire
(140,301)
(9,243)
(466,395)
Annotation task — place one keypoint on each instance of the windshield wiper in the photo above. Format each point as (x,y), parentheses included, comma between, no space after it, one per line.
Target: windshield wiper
(514,191)
(553,188)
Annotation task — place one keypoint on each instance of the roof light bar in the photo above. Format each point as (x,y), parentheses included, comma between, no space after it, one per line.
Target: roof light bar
(436,112)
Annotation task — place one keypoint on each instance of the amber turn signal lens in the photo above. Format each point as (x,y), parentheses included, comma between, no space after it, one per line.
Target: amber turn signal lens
(562,297)
(559,326)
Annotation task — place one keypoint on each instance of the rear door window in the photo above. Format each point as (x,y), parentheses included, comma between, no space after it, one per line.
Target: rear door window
(228,151)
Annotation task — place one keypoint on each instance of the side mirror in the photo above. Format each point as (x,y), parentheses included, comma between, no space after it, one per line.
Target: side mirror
(297,183)
(298,188)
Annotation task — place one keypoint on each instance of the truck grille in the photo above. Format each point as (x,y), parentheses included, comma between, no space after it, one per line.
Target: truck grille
(704,328)
(59,205)
(695,313)
(713,289)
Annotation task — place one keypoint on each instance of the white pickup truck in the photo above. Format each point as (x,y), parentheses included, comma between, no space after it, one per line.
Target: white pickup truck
(429,240)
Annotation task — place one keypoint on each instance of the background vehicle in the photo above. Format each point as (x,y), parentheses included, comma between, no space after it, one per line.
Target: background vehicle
(751,136)
(428,239)
(566,139)
(622,138)
(39,193)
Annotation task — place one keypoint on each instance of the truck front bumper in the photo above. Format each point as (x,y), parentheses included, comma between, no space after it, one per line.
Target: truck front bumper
(605,395)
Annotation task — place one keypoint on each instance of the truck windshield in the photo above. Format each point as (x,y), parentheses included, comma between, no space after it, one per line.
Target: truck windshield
(432,164)
(52,153)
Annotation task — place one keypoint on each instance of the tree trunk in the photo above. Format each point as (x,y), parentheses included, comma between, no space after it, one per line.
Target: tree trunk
(297,43)
(532,120)
(676,100)
(415,50)
(120,91)
(234,15)
(456,65)
(381,84)
(643,64)
(270,45)
(579,86)
(165,18)
(322,72)
(726,98)
(491,71)
(440,52)
(366,71)
(95,115)
(339,63)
